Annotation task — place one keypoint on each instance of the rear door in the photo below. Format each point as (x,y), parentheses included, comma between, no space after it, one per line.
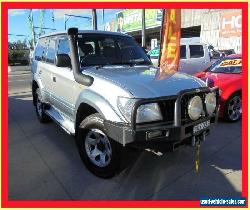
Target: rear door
(41,70)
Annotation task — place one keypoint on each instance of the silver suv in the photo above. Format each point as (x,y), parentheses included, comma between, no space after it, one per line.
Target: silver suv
(101,87)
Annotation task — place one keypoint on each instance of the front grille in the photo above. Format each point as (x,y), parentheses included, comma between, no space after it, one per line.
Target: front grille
(167,109)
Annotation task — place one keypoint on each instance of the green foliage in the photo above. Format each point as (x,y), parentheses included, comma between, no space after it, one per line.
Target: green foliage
(17,55)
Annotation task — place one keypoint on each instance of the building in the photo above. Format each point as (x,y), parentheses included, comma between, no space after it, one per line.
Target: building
(218,27)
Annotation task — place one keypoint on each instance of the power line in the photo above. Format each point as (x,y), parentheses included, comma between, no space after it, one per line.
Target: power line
(44,28)
(18,35)
(67,16)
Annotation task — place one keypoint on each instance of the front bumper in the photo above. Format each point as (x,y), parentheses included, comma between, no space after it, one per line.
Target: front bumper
(161,132)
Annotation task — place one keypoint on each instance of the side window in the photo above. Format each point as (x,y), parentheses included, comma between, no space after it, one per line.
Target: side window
(63,46)
(183,54)
(40,49)
(196,51)
(87,48)
(50,56)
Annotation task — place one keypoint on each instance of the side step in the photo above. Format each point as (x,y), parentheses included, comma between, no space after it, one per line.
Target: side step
(59,118)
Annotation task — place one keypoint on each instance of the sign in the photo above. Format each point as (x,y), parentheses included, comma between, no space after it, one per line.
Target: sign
(230,25)
(131,19)
(234,62)
(170,43)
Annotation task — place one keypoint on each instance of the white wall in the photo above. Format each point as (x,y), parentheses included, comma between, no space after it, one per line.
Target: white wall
(209,20)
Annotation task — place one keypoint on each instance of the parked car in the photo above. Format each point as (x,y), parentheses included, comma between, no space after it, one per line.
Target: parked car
(194,56)
(218,54)
(101,87)
(226,74)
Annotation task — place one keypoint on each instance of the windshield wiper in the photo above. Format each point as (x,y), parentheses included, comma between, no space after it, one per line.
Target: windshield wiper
(131,64)
(99,66)
(136,62)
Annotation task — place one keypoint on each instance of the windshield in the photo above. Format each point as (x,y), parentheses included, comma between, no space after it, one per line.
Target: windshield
(99,50)
(226,65)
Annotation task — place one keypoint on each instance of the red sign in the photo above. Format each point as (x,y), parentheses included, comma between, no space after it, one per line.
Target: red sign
(170,43)
(230,25)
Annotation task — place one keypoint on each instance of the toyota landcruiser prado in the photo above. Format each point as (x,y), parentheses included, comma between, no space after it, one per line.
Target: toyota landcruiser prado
(101,87)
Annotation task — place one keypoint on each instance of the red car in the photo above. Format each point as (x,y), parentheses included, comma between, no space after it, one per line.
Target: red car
(226,74)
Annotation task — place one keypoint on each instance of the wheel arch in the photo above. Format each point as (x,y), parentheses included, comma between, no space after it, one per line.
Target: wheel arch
(83,111)
(236,91)
(90,102)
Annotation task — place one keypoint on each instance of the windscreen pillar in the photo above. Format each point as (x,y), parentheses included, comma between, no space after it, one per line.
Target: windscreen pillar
(143,38)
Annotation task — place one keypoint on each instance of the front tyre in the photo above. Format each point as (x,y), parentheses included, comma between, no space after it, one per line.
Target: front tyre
(233,109)
(99,153)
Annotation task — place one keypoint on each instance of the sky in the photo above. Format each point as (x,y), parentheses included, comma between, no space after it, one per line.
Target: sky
(18,23)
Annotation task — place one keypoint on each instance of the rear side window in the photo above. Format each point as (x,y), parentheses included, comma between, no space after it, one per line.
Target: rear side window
(50,56)
(40,49)
(196,51)
(63,46)
(183,52)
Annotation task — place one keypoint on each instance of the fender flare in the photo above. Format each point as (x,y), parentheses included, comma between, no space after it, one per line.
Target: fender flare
(100,104)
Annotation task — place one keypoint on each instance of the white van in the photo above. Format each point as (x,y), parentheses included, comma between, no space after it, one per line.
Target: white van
(194,56)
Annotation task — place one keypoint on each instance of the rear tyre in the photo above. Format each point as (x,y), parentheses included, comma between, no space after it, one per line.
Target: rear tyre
(40,107)
(233,110)
(100,154)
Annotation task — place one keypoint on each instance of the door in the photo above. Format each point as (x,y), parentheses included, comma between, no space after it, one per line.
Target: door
(65,89)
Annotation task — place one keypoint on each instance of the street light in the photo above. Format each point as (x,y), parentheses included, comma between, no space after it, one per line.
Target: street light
(67,16)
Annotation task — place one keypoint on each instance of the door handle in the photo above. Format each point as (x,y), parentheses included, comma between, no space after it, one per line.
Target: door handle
(54,79)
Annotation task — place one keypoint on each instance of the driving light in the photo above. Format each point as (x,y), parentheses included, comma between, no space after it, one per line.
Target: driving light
(210,102)
(195,108)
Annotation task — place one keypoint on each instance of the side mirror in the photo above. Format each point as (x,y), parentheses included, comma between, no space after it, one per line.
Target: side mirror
(63,60)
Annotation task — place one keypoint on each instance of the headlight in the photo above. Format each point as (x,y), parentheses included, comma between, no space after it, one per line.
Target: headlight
(210,102)
(148,113)
(195,108)
(220,92)
(125,106)
(145,113)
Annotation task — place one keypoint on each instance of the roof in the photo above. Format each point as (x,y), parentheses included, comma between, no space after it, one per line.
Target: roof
(192,40)
(86,32)
(234,56)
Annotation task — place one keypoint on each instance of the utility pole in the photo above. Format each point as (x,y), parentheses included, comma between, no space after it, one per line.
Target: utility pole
(103,19)
(32,28)
(94,19)
(143,32)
